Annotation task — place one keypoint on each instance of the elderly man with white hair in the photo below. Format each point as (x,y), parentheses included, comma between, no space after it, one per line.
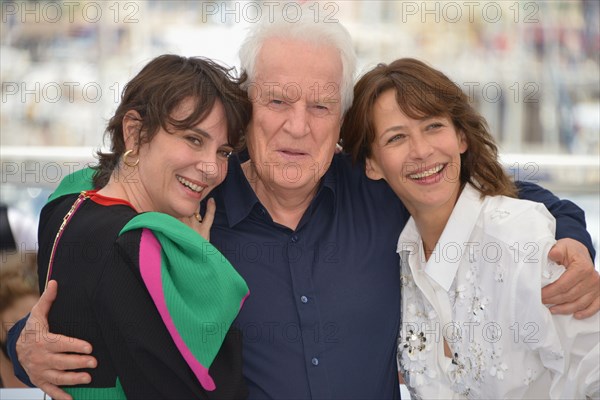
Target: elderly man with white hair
(297,221)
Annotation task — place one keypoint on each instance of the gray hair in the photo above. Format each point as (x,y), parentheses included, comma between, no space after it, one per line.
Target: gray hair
(304,28)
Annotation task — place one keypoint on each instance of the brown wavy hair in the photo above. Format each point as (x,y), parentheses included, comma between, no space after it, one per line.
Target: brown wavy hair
(158,89)
(422,91)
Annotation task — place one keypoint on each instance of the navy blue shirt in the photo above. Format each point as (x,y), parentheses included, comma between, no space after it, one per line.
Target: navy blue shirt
(323,313)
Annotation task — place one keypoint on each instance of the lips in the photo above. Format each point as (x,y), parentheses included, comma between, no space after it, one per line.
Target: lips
(292,155)
(193,186)
(293,152)
(428,172)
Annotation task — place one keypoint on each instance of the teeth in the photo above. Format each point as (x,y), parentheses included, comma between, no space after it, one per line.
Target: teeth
(427,173)
(190,185)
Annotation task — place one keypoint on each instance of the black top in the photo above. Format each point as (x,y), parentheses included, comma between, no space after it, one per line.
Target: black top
(103,300)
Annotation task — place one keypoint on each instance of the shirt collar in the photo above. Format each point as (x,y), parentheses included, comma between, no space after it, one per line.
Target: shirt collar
(239,197)
(450,249)
(329,180)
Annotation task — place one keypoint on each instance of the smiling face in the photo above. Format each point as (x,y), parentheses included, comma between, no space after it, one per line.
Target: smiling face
(418,158)
(296,113)
(179,168)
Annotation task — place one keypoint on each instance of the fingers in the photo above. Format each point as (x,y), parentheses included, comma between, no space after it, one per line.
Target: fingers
(566,250)
(59,378)
(578,285)
(47,371)
(592,309)
(45,356)
(578,293)
(54,392)
(209,215)
(35,339)
(571,286)
(62,378)
(41,309)
(64,362)
(66,344)
(558,253)
(571,307)
(41,357)
(561,291)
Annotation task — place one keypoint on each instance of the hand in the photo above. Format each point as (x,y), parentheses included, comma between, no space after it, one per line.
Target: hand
(200,224)
(578,289)
(42,354)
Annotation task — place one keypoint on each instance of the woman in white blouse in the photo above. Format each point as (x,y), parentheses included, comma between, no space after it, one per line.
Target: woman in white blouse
(473,256)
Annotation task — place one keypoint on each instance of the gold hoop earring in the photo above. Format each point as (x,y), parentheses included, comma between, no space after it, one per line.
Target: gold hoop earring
(129,163)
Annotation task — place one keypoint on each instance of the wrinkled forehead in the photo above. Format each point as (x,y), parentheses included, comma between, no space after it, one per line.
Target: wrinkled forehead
(295,58)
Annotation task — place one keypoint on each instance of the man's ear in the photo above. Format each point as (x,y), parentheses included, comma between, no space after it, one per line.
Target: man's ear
(372,170)
(132,126)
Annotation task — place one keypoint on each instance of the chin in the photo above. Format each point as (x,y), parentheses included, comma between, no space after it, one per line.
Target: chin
(292,184)
(185,211)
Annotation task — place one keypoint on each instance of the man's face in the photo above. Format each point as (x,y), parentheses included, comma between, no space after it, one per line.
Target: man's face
(296,113)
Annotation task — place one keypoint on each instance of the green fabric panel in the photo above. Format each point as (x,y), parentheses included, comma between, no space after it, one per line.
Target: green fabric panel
(203,291)
(92,393)
(76,182)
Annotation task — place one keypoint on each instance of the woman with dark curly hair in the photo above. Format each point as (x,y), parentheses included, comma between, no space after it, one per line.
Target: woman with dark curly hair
(128,248)
(473,257)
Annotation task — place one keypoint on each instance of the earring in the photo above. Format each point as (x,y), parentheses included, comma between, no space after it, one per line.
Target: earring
(129,163)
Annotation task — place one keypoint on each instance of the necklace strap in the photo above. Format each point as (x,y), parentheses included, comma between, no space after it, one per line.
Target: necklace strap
(80,199)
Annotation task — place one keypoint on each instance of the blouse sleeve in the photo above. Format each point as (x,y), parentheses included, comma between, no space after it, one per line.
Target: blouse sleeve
(568,347)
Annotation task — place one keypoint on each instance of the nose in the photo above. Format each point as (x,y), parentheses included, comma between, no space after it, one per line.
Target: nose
(209,165)
(297,122)
(420,147)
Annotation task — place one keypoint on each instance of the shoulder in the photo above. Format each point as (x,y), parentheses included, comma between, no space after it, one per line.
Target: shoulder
(356,193)
(74,183)
(352,175)
(511,219)
(343,168)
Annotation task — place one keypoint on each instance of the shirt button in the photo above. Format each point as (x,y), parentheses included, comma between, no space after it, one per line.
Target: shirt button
(263,211)
(315,361)
(304,299)
(294,238)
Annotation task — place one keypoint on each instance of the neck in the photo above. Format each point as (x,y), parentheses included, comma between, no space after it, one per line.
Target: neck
(430,228)
(286,206)
(117,188)
(432,222)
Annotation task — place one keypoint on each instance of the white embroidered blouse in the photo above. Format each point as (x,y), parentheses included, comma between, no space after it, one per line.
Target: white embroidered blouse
(481,291)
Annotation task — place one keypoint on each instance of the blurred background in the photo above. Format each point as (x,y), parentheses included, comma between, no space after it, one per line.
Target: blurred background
(531,67)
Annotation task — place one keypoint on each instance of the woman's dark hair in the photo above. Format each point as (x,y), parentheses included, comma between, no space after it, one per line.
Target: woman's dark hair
(422,91)
(158,89)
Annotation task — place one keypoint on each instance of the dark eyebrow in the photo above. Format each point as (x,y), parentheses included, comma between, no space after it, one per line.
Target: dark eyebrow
(393,128)
(201,132)
(400,127)
(207,135)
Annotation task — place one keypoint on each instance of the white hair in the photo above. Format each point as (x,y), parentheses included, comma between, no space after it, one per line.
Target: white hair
(304,28)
